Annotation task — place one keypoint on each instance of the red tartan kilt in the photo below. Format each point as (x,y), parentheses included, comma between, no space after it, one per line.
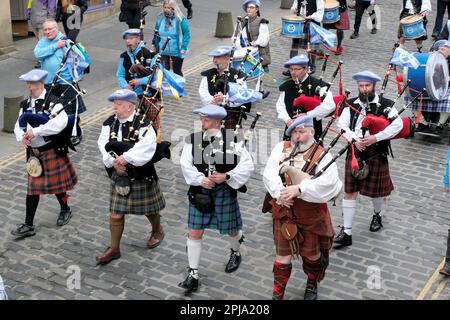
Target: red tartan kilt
(342,24)
(58,175)
(151,114)
(318,236)
(377,184)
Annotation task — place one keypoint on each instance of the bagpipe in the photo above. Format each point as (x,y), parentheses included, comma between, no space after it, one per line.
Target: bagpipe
(143,112)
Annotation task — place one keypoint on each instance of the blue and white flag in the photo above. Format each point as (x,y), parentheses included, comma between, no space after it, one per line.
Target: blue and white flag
(170,82)
(77,61)
(237,94)
(403,58)
(321,35)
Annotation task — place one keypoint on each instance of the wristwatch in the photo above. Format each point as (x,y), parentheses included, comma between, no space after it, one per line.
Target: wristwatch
(227,177)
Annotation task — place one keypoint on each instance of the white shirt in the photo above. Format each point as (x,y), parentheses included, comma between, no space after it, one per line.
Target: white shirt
(206,97)
(389,132)
(426,6)
(238,176)
(53,126)
(321,111)
(142,151)
(319,190)
(263,37)
(316,16)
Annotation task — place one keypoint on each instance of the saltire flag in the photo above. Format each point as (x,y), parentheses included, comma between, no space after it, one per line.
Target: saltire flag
(320,35)
(403,58)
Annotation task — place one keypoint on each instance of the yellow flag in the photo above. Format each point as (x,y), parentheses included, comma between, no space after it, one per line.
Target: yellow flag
(159,79)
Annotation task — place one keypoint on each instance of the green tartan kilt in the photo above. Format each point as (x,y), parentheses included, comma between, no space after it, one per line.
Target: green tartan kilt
(145,198)
(227,215)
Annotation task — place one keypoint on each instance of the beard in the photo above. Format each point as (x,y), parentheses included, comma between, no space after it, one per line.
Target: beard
(367,96)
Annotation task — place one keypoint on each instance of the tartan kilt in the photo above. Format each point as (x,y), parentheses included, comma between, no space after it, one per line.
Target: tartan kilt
(226,217)
(342,24)
(145,198)
(429,105)
(317,235)
(151,113)
(58,175)
(377,184)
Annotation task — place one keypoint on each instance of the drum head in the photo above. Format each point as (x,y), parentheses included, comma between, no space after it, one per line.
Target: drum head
(293,18)
(331,4)
(411,19)
(436,76)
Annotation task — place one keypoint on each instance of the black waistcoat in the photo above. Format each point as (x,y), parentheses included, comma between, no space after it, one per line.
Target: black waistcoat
(212,77)
(142,56)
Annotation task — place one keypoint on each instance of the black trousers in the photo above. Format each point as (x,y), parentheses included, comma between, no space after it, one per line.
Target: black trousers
(362,6)
(133,18)
(447,256)
(177,64)
(187,3)
(441,6)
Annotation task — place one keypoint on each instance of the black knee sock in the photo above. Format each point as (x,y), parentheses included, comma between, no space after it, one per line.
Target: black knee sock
(31,207)
(62,199)
(340,37)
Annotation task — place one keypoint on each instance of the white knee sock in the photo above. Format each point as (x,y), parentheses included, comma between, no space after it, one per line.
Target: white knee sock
(443,117)
(377,205)
(234,242)
(348,210)
(194,250)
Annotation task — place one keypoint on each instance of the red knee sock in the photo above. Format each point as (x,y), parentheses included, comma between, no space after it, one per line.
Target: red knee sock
(281,274)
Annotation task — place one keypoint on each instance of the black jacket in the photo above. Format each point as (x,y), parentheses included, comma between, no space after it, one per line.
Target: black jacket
(82,4)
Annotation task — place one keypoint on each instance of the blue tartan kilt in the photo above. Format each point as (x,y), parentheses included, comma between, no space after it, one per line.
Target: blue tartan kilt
(428,105)
(227,215)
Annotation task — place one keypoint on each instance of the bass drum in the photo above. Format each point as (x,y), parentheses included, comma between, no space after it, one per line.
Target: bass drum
(432,74)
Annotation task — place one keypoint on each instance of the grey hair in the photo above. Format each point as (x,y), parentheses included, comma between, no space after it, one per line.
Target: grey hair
(52,21)
(176,8)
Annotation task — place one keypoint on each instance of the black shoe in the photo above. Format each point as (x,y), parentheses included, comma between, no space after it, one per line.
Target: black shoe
(374,31)
(311,290)
(342,239)
(24,230)
(376,224)
(265,94)
(190,284)
(354,35)
(434,36)
(233,262)
(286,73)
(422,127)
(445,269)
(76,140)
(37,65)
(189,13)
(313,70)
(64,217)
(438,130)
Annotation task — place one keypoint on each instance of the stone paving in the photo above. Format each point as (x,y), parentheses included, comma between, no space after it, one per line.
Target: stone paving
(406,253)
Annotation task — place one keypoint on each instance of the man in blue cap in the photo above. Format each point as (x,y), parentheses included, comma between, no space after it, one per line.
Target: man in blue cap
(302,84)
(312,11)
(127,153)
(50,170)
(372,179)
(216,167)
(133,71)
(301,221)
(212,88)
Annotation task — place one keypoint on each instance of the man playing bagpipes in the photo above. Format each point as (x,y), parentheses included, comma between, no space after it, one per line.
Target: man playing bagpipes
(301,95)
(49,168)
(302,223)
(214,84)
(61,59)
(372,179)
(128,153)
(215,167)
(133,71)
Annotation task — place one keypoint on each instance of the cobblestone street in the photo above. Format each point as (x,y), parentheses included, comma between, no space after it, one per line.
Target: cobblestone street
(406,252)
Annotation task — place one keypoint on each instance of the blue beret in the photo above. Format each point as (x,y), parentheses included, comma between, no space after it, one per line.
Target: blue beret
(131,32)
(212,111)
(301,122)
(440,43)
(220,51)
(247,2)
(300,60)
(366,76)
(34,75)
(123,94)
